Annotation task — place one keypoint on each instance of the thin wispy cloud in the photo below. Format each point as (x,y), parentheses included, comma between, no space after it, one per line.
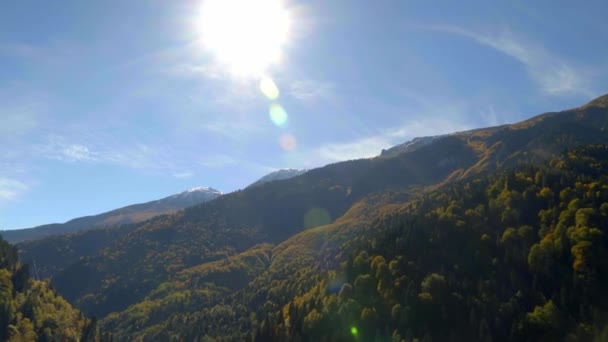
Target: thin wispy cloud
(11,189)
(185,174)
(137,156)
(490,117)
(228,89)
(218,161)
(234,128)
(361,148)
(133,155)
(21,109)
(19,50)
(427,116)
(56,54)
(553,74)
(311,90)
(173,161)
(190,69)
(17,120)
(371,146)
(59,148)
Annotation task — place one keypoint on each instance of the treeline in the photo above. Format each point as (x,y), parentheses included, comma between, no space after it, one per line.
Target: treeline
(31,311)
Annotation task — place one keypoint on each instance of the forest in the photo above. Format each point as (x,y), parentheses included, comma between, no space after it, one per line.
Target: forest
(30,310)
(519,255)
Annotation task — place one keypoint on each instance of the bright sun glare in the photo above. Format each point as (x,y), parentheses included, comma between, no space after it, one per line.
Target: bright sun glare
(245,35)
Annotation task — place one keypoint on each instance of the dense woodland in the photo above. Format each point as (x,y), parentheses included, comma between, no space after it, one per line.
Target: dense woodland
(31,311)
(517,257)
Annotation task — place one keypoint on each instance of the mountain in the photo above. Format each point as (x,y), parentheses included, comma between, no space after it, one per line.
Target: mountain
(129,214)
(278,175)
(182,200)
(252,262)
(517,255)
(268,213)
(410,145)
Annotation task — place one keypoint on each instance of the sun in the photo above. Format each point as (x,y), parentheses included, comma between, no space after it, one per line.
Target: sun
(246,36)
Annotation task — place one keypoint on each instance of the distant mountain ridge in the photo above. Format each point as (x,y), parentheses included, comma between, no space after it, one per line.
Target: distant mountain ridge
(278,175)
(408,146)
(129,214)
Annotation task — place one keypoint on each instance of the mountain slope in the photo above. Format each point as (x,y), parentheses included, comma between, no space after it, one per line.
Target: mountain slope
(278,175)
(129,214)
(235,222)
(31,311)
(515,256)
(448,266)
(147,258)
(253,215)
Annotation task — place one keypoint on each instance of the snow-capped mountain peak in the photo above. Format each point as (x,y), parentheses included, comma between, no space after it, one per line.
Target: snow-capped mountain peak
(278,175)
(411,145)
(203,189)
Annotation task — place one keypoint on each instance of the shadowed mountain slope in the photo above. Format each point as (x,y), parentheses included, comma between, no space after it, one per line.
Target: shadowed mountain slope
(129,214)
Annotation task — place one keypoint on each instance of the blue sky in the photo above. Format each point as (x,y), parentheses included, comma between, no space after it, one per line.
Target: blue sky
(109,103)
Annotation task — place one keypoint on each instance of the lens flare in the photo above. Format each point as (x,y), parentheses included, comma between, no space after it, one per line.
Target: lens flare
(269,88)
(287,142)
(278,115)
(315,217)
